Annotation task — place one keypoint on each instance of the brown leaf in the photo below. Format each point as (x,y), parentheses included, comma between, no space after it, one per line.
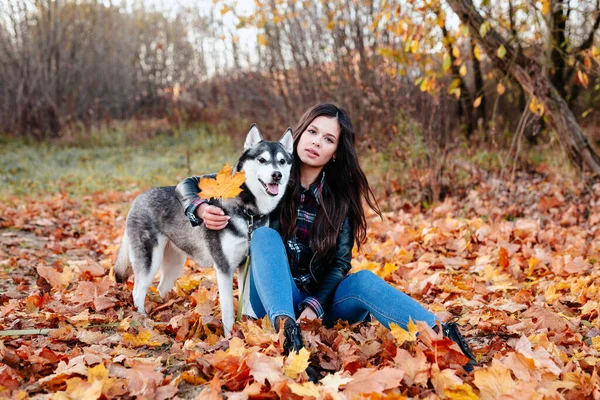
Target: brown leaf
(58,280)
(143,378)
(547,319)
(416,369)
(370,380)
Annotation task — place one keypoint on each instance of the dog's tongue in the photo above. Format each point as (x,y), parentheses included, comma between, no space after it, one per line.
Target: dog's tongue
(273,188)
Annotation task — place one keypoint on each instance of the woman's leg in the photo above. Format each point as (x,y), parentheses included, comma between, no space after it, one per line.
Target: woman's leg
(272,288)
(364,292)
(273,291)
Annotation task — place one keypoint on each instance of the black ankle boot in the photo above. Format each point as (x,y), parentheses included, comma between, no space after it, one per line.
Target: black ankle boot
(450,330)
(293,342)
(293,337)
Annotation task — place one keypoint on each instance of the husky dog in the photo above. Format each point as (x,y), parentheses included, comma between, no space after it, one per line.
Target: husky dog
(159,235)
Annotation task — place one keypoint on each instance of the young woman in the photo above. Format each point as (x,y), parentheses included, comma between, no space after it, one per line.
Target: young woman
(299,265)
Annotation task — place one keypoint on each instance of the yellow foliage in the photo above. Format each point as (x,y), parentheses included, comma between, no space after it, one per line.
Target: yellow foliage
(461,392)
(501,51)
(477,52)
(402,335)
(296,363)
(306,389)
(545,6)
(141,339)
(225,186)
(536,107)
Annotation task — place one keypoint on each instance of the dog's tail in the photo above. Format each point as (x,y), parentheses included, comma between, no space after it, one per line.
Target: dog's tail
(122,265)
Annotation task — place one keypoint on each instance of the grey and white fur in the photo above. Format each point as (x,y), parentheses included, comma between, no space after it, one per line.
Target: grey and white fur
(158,234)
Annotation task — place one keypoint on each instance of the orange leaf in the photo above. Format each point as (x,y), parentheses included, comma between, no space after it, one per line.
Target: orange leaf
(500,88)
(503,257)
(225,186)
(494,381)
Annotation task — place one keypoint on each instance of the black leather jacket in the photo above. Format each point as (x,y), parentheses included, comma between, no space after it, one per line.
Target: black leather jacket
(324,276)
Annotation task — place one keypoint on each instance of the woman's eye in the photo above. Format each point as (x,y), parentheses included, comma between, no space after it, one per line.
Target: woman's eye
(312,131)
(329,140)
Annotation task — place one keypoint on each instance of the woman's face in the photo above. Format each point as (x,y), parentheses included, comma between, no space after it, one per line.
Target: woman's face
(318,143)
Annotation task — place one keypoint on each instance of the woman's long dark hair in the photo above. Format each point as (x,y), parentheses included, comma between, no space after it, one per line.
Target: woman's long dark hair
(346,186)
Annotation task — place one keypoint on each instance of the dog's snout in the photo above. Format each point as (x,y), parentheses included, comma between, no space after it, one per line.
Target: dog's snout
(276,176)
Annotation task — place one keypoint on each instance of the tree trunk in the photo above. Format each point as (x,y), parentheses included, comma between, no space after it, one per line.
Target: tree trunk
(528,73)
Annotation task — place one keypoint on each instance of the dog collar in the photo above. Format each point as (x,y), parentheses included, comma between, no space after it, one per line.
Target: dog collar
(250,221)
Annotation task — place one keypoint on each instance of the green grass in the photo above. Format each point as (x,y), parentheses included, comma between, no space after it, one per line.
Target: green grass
(118,161)
(134,156)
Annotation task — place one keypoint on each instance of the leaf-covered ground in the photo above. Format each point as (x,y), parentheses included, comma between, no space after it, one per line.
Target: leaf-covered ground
(517,262)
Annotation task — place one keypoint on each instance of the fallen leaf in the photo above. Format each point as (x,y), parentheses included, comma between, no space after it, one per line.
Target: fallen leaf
(402,335)
(416,369)
(264,368)
(493,382)
(305,389)
(296,363)
(370,380)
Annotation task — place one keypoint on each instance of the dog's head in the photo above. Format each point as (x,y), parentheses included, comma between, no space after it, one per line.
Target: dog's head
(267,166)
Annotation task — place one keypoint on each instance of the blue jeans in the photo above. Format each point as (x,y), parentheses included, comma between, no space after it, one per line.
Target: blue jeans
(274,293)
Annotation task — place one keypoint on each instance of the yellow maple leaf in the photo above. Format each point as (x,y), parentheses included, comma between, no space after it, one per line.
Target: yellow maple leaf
(225,186)
(388,268)
(141,339)
(461,392)
(187,283)
(403,335)
(77,388)
(596,342)
(100,373)
(296,363)
(306,389)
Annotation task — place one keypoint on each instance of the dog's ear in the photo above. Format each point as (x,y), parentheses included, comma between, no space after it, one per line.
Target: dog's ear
(254,137)
(287,140)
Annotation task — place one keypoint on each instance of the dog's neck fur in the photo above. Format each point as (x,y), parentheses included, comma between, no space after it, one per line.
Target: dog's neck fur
(251,204)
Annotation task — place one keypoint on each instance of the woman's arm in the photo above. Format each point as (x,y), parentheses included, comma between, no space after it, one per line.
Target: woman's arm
(196,208)
(334,273)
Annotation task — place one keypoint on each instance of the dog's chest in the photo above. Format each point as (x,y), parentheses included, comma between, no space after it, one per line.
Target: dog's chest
(235,243)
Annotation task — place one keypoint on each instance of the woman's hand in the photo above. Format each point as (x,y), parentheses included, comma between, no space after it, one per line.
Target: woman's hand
(308,313)
(214,217)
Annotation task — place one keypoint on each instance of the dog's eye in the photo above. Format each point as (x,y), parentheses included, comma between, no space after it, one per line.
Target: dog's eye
(282,161)
(262,160)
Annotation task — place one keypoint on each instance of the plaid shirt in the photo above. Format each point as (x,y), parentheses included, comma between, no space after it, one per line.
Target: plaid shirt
(299,250)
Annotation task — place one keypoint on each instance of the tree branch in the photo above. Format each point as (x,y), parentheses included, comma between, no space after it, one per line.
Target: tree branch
(589,41)
(492,40)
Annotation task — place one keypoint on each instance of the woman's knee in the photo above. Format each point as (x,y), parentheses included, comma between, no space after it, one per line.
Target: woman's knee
(265,233)
(363,280)
(267,249)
